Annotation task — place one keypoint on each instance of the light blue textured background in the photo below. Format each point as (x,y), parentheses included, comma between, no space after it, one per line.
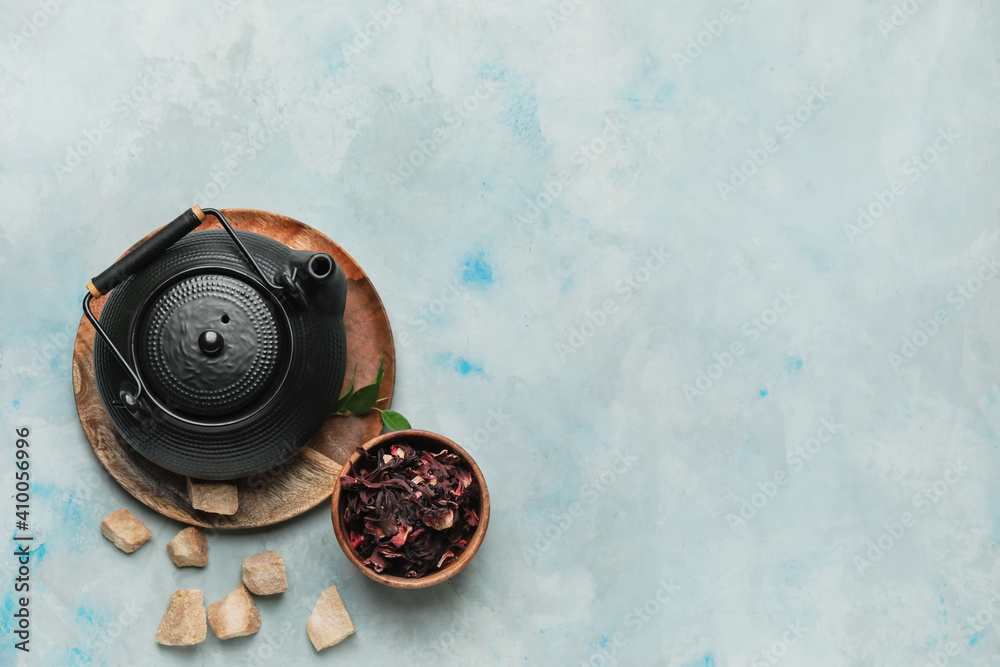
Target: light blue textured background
(602,256)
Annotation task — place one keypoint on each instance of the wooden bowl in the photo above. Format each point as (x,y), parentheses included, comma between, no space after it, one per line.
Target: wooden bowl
(425,441)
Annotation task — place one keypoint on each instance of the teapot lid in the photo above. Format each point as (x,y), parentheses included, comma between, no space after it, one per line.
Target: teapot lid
(212,345)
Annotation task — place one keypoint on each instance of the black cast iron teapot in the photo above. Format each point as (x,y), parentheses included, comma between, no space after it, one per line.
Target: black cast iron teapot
(219,353)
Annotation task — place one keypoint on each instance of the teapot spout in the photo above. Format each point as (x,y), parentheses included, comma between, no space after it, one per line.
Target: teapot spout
(321,280)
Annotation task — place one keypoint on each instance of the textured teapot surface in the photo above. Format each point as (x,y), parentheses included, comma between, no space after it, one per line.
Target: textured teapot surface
(237,374)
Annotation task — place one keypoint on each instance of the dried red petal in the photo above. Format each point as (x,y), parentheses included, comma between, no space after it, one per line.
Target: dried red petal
(376,561)
(399,539)
(356,540)
(440,522)
(409,511)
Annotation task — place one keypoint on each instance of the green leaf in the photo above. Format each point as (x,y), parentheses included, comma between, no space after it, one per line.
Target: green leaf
(394,420)
(342,402)
(364,399)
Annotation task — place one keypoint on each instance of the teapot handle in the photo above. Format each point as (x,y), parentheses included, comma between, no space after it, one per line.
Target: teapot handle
(137,260)
(152,248)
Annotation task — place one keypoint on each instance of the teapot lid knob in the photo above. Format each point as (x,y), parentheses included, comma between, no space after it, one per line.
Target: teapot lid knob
(210,342)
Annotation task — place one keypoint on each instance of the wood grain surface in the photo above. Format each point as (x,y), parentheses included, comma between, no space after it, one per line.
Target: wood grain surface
(296,485)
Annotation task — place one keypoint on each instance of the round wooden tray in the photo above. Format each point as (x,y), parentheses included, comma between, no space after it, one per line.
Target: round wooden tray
(300,483)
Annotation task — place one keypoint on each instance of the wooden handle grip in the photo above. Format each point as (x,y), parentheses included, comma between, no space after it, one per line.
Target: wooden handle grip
(139,258)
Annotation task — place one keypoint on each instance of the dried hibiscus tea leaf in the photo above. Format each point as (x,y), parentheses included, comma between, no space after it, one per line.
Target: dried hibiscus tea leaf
(440,521)
(408,512)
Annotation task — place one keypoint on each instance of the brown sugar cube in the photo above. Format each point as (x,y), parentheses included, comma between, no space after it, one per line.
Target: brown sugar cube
(264,574)
(329,622)
(235,615)
(214,497)
(125,530)
(189,548)
(184,623)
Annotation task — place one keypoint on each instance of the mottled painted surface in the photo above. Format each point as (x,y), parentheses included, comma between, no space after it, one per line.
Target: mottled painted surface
(709,290)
